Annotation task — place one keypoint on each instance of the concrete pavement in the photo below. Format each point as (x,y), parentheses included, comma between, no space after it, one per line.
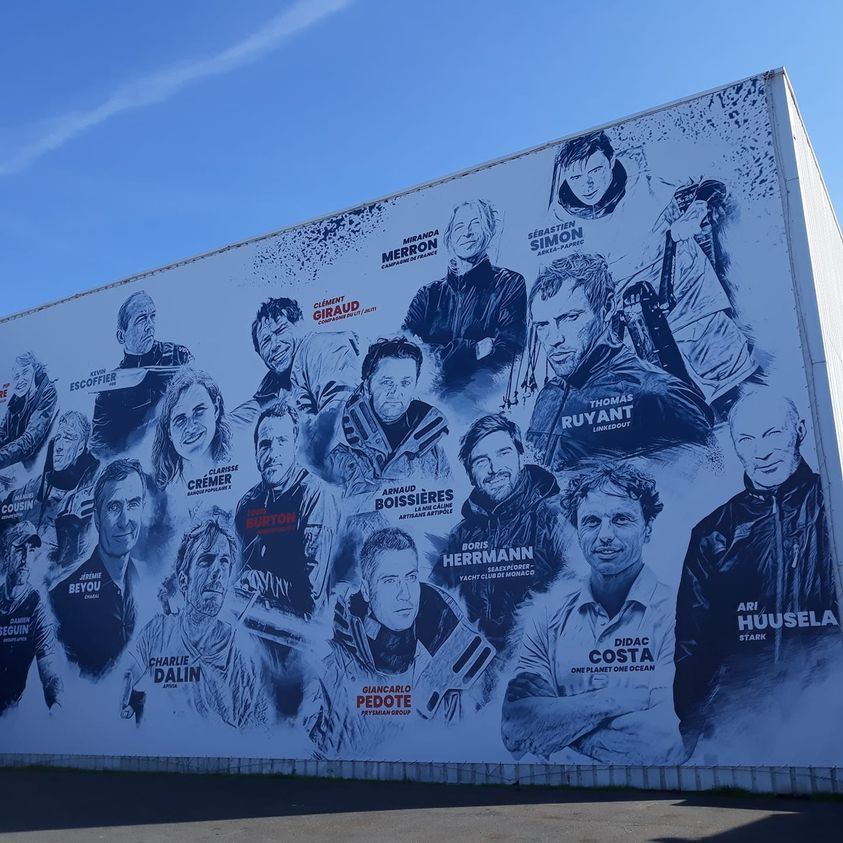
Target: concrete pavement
(69,806)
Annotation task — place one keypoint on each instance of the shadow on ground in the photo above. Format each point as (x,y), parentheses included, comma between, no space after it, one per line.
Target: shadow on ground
(41,800)
(802,823)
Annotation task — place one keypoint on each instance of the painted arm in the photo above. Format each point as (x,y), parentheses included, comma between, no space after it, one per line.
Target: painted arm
(535,719)
(245,414)
(45,649)
(649,736)
(457,353)
(416,319)
(696,659)
(325,372)
(135,671)
(511,311)
(319,533)
(646,736)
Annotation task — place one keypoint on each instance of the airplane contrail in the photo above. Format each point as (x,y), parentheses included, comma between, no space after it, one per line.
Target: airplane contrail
(157,87)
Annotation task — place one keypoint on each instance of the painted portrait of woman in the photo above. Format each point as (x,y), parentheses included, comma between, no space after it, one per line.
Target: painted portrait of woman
(192,435)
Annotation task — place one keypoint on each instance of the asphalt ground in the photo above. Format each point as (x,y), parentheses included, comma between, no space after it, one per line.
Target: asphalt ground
(69,806)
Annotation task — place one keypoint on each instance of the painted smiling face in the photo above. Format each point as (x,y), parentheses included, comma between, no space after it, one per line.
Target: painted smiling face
(23,378)
(468,238)
(495,465)
(276,338)
(193,422)
(611,529)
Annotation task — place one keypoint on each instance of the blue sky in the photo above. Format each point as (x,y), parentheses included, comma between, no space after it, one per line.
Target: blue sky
(136,134)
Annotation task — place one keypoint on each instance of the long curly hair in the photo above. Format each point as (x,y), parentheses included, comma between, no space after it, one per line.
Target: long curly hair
(166,462)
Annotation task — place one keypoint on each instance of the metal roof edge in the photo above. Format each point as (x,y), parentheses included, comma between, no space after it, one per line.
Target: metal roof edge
(406,192)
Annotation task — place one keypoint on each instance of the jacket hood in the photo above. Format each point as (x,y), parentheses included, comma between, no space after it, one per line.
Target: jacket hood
(533,486)
(392,652)
(608,202)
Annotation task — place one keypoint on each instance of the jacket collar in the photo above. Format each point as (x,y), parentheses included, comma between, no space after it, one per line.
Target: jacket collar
(534,484)
(296,475)
(480,270)
(803,476)
(215,646)
(70,477)
(596,361)
(363,431)
(272,385)
(435,621)
(134,361)
(641,591)
(350,614)
(130,577)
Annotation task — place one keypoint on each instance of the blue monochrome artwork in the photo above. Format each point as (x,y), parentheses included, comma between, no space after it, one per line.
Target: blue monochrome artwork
(519,465)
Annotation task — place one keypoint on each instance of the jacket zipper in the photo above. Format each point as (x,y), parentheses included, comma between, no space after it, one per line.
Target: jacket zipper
(796,583)
(780,563)
(553,438)
(458,308)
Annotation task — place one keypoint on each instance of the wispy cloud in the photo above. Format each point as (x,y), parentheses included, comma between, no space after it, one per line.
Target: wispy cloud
(158,87)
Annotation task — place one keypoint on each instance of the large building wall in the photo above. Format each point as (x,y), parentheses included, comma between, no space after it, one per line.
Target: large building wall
(816,248)
(528,465)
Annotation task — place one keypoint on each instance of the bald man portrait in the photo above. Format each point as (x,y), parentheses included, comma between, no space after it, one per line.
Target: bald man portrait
(757,603)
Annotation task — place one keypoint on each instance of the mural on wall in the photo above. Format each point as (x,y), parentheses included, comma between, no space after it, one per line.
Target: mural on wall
(515,466)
